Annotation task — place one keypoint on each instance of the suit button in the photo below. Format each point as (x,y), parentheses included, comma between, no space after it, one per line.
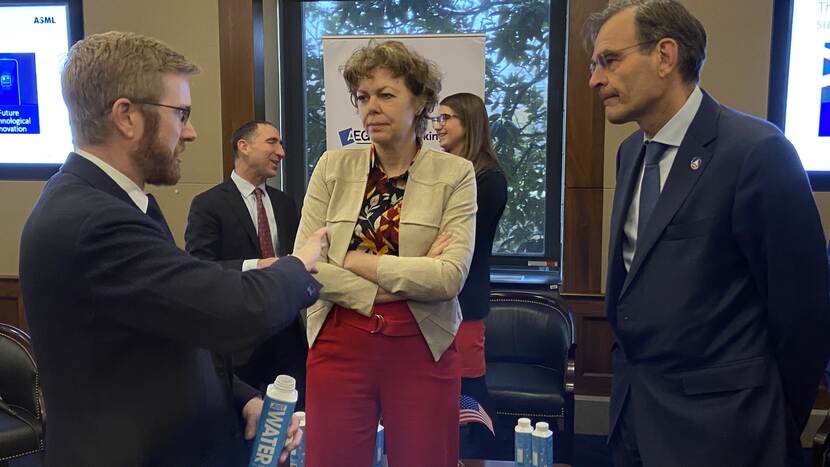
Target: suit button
(625,318)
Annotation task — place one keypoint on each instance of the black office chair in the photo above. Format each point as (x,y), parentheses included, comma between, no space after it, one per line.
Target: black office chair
(530,346)
(21,409)
(821,444)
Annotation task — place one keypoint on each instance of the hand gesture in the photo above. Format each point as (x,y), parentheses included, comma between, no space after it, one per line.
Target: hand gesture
(439,244)
(311,252)
(265,262)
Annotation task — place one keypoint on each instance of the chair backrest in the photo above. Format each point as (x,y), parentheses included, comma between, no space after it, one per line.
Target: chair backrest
(526,327)
(19,383)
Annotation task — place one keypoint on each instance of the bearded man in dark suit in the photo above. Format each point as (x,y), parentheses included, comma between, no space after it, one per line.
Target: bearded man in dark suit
(123,322)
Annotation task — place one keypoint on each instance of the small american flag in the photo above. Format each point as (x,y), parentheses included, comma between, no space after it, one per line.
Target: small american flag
(471,411)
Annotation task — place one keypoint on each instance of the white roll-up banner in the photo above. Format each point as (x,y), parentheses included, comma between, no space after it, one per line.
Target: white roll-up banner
(460,58)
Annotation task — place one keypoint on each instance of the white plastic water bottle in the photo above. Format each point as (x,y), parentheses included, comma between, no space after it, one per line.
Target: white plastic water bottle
(274,420)
(379,447)
(298,454)
(522,443)
(542,445)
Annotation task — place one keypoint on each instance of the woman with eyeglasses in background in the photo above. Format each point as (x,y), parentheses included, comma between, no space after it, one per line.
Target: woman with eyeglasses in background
(463,129)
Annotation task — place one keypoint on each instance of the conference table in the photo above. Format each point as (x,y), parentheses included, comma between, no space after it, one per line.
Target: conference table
(483,463)
(486,463)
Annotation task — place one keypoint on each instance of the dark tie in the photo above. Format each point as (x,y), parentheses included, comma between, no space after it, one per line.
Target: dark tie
(650,188)
(154,211)
(263,230)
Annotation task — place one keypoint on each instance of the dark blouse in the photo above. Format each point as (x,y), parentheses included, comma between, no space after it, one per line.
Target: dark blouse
(376,230)
(491,186)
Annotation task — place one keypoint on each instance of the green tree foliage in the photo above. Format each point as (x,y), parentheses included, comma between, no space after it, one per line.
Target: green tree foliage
(516,82)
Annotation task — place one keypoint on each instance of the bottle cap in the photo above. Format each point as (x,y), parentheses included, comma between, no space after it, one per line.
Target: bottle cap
(285,383)
(524,422)
(282,389)
(542,427)
(301,418)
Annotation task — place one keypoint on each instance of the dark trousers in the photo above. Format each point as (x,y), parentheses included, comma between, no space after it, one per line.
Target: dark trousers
(624,449)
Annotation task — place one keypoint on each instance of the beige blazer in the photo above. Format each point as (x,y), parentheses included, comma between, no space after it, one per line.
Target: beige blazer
(440,197)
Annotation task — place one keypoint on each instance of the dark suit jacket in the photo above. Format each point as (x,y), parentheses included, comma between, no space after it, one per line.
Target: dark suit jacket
(123,323)
(219,227)
(721,323)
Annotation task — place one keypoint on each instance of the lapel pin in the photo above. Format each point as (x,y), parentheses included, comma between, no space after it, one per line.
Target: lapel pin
(695,164)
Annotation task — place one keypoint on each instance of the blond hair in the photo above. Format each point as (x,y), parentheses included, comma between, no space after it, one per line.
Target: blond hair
(102,68)
(421,76)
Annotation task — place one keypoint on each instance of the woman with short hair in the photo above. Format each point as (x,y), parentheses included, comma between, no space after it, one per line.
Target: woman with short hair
(401,223)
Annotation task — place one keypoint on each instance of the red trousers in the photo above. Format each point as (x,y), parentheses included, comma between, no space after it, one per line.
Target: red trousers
(356,376)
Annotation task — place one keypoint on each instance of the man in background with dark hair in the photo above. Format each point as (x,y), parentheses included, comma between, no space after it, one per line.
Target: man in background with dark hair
(244,224)
(717,281)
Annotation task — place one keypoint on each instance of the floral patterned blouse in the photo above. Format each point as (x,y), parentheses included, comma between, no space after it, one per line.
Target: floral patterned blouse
(376,230)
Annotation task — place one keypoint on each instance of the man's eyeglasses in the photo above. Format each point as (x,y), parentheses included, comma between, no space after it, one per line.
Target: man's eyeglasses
(442,119)
(184,112)
(606,59)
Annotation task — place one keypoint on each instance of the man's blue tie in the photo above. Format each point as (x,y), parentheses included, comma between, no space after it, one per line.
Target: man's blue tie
(650,188)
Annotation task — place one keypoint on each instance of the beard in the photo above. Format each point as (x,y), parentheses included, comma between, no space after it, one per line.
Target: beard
(158,164)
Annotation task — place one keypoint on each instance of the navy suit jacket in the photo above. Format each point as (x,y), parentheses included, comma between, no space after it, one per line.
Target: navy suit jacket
(721,321)
(219,227)
(123,323)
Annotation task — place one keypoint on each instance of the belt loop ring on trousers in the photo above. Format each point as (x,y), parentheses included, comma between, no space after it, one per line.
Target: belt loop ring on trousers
(380,324)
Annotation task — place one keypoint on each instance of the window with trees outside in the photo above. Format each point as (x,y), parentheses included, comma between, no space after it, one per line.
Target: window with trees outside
(524,94)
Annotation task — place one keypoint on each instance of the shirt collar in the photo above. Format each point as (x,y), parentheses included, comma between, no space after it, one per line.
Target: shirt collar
(675,129)
(133,191)
(244,186)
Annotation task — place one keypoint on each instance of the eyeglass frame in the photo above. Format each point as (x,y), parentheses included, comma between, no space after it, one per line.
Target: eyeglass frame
(442,119)
(602,58)
(184,112)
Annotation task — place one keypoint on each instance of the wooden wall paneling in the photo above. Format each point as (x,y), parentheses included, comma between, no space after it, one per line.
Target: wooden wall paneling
(11,303)
(593,344)
(236,59)
(585,128)
(582,244)
(584,155)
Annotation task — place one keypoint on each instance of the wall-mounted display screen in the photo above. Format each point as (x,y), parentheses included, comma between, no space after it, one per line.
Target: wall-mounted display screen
(800,82)
(35,136)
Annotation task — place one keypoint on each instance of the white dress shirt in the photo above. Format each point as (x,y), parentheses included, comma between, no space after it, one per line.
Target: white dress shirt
(672,135)
(133,191)
(246,189)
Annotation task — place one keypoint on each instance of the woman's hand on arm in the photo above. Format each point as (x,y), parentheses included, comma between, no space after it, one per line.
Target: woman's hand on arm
(365,265)
(438,278)
(384,296)
(439,244)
